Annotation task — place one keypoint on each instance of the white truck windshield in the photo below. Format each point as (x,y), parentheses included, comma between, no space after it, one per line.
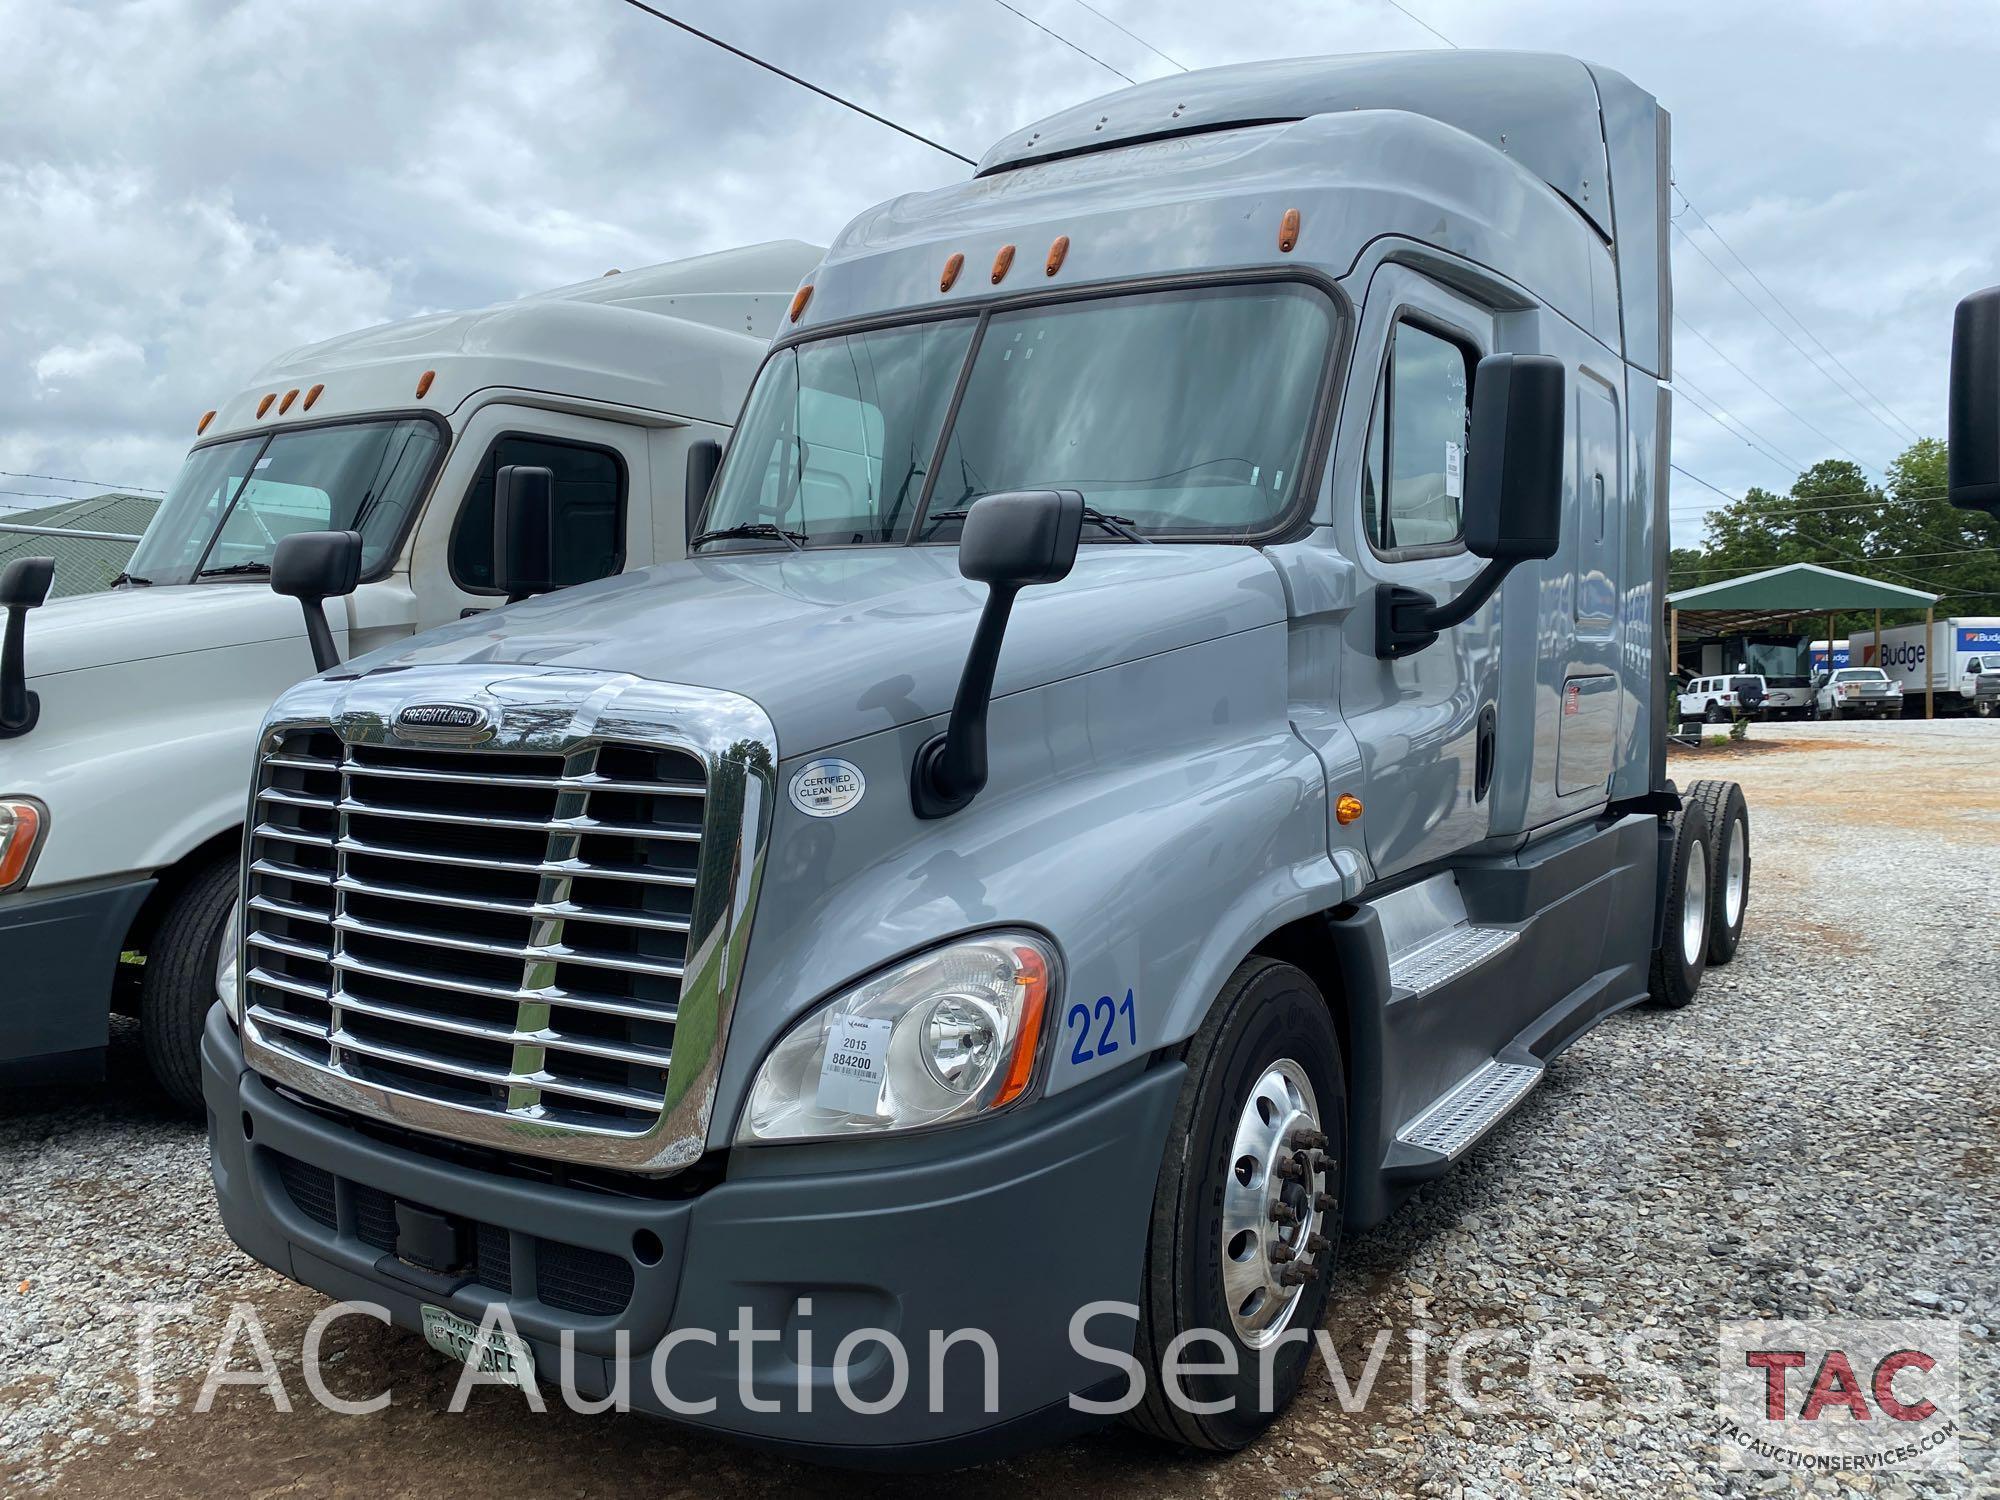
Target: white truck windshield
(234,500)
(1185,412)
(1860,674)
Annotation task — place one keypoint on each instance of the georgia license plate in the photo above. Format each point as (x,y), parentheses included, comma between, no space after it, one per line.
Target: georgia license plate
(510,1359)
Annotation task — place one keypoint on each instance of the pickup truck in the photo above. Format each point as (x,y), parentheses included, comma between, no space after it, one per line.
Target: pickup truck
(1156,748)
(1857,692)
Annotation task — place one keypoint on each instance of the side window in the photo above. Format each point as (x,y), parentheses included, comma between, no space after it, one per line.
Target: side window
(1415,471)
(590,511)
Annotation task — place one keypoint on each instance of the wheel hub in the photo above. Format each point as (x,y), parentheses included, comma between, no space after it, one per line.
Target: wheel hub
(1736,872)
(1694,906)
(1276,1204)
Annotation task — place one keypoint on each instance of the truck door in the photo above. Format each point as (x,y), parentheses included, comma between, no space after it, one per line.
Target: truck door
(1587,723)
(603,478)
(1426,723)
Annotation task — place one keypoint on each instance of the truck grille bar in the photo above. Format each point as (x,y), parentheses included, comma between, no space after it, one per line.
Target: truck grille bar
(500,932)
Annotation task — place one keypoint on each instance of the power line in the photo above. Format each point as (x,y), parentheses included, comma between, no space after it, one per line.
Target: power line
(65,479)
(1825,436)
(1051,31)
(1703,218)
(1425,24)
(1708,406)
(715,41)
(1131,33)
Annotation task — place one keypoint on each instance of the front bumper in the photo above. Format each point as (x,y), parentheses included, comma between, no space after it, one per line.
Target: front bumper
(58,957)
(1007,1235)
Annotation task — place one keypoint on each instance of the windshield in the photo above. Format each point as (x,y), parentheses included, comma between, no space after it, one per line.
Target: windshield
(234,500)
(1860,674)
(1185,412)
(1785,682)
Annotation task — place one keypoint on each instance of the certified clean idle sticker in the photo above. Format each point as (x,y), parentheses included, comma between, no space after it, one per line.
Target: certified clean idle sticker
(857,1058)
(827,787)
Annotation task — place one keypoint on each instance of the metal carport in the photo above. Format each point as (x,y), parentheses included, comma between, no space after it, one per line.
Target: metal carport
(1795,591)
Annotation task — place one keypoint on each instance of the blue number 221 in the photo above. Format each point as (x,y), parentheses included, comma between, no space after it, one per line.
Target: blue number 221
(1106,1012)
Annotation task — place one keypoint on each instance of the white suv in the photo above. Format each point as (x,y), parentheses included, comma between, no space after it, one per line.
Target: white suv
(1717,700)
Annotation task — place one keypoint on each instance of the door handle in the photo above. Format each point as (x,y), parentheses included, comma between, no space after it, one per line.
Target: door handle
(1482,773)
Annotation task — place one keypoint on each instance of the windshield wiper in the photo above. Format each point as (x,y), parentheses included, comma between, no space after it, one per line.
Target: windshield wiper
(759,530)
(1118,526)
(234,569)
(132,578)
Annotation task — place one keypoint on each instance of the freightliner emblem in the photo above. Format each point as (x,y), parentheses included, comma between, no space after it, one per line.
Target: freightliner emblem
(444,723)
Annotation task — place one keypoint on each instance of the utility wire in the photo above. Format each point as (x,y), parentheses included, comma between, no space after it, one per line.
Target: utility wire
(1691,393)
(138,489)
(1109,21)
(1781,402)
(1051,31)
(1780,302)
(1425,24)
(715,41)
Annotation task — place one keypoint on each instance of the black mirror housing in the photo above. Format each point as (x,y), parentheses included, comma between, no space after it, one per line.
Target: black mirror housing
(524,530)
(1973,464)
(313,567)
(1010,542)
(24,585)
(704,458)
(1514,469)
(1513,496)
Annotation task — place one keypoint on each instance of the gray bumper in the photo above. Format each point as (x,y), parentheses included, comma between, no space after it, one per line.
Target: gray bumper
(1010,1235)
(58,956)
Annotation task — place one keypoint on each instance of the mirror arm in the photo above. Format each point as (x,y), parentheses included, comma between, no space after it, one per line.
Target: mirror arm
(1406,620)
(950,769)
(319,635)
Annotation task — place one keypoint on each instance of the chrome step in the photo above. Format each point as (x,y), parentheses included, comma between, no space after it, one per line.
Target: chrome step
(1477,1103)
(1455,951)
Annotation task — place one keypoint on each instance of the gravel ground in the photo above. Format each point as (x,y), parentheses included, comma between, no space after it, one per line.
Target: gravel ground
(1817,1136)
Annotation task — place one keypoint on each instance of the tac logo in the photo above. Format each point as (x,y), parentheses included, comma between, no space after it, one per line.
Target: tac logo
(1839,1397)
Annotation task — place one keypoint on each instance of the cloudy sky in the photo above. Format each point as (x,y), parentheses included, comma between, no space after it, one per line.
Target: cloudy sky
(189,186)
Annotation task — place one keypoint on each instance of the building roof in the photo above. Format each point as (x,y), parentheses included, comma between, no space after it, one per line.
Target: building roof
(1795,589)
(83,564)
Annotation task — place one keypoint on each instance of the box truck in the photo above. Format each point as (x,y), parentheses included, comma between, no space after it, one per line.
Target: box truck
(1949,662)
(1159,743)
(124,716)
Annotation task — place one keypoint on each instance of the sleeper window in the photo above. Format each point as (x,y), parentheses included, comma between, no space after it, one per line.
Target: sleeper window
(1414,478)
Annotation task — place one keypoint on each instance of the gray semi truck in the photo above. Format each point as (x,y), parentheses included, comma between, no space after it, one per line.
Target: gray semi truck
(1157,745)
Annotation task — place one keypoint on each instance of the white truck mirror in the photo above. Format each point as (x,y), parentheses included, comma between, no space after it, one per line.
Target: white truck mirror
(313,567)
(24,585)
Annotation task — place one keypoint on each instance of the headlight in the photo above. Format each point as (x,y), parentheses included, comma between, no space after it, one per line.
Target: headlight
(23,823)
(946,1036)
(228,974)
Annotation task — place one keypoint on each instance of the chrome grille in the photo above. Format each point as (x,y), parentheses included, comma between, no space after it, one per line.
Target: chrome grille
(503,932)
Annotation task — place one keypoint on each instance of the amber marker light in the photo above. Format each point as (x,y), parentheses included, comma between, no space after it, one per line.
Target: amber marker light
(1056,253)
(20,834)
(424,383)
(1288,230)
(799,300)
(202,426)
(312,396)
(1346,808)
(951,269)
(1033,982)
(1002,262)
(286,404)
(265,405)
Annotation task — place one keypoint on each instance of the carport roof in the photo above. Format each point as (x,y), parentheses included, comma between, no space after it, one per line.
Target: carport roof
(1799,589)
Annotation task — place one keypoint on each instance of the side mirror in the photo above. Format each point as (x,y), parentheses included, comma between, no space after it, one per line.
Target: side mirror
(1513,496)
(704,458)
(313,567)
(24,585)
(524,530)
(1973,464)
(1010,542)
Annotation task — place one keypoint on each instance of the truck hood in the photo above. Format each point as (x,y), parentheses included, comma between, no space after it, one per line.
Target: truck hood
(137,624)
(843,642)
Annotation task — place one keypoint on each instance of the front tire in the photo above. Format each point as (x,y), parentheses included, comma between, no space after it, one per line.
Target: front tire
(1246,1174)
(1682,957)
(179,982)
(1729,874)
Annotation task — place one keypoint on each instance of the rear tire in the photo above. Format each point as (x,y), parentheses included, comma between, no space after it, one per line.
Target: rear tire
(1729,872)
(179,983)
(1211,1235)
(1682,957)
(1713,714)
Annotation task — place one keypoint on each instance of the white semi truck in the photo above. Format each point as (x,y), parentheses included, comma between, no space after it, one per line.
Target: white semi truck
(125,716)
(1951,662)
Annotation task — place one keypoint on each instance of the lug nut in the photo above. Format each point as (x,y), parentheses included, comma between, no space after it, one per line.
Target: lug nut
(1322,1203)
(1284,1213)
(1289,1168)
(1315,1243)
(1308,1140)
(1298,1275)
(1322,1163)
(1281,1252)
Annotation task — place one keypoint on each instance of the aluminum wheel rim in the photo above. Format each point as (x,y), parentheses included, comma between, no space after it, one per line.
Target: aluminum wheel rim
(1280,1106)
(1735,873)
(1694,906)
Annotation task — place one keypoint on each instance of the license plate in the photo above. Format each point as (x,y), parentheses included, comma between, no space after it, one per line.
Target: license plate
(510,1359)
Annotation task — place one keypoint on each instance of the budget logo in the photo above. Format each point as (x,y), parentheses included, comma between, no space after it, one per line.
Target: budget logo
(1839,1396)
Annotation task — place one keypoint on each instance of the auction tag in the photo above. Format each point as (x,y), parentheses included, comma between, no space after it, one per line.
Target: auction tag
(857,1060)
(1454,470)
